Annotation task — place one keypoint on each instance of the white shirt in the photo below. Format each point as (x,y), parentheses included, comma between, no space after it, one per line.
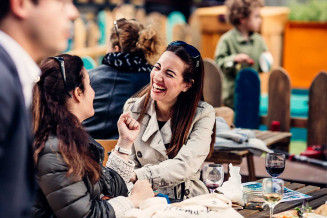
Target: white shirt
(28,70)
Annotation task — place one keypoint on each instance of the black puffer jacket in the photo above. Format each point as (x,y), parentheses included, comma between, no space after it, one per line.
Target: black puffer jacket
(61,196)
(118,77)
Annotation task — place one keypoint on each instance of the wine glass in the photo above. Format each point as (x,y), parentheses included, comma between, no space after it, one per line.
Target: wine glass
(272,191)
(213,176)
(275,164)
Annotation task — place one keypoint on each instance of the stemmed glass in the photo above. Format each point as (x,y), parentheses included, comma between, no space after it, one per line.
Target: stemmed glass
(275,164)
(272,191)
(213,176)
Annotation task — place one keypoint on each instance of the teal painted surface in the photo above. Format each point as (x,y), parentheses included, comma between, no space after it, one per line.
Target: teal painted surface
(299,108)
(102,27)
(173,18)
(89,63)
(299,103)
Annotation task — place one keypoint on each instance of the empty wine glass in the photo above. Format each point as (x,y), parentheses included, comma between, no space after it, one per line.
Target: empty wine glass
(275,164)
(272,191)
(213,176)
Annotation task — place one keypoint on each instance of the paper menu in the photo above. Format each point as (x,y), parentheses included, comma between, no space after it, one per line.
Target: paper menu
(289,195)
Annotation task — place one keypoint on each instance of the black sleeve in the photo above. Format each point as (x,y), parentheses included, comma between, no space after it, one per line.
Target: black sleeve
(69,197)
(112,183)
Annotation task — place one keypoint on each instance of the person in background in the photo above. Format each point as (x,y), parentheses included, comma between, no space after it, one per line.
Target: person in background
(68,162)
(176,125)
(29,31)
(124,70)
(241,46)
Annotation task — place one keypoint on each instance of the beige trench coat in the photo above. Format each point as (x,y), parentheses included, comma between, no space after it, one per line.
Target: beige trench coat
(149,151)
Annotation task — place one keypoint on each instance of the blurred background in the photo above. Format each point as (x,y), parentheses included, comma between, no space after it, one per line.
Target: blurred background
(294,30)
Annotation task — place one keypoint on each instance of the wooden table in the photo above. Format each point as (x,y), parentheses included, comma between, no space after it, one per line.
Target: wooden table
(319,197)
(275,139)
(279,140)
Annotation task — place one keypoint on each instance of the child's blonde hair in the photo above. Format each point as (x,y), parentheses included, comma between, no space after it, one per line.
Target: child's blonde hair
(238,9)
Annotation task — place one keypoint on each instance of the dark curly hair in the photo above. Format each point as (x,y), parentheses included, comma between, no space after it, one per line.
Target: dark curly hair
(238,9)
(131,36)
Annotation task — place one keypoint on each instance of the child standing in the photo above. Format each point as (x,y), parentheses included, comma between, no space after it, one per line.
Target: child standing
(241,46)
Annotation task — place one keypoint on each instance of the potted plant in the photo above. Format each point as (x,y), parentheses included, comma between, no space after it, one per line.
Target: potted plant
(305,44)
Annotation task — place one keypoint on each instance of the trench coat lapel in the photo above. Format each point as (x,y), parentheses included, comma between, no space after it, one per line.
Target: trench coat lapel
(160,138)
(152,126)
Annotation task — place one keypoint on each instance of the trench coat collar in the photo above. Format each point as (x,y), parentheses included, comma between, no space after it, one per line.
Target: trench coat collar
(161,137)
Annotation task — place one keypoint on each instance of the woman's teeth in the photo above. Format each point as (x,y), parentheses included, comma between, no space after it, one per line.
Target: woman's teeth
(157,87)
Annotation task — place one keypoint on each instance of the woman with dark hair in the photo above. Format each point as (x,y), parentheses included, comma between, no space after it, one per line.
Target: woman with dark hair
(176,126)
(125,69)
(69,168)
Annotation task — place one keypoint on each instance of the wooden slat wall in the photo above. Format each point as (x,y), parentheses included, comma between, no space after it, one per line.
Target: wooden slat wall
(279,102)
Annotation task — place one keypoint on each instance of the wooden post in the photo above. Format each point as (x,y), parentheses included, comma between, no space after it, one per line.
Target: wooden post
(279,99)
(317,118)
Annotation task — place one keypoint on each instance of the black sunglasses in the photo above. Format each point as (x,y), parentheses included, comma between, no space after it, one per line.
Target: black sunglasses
(191,50)
(116,25)
(61,62)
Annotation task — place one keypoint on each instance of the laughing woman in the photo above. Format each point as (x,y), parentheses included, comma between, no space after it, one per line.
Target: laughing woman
(176,127)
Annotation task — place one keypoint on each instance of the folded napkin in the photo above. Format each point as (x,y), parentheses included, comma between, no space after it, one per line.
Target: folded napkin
(227,138)
(233,189)
(203,206)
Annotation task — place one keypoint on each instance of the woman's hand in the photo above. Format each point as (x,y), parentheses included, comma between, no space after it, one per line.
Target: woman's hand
(141,191)
(128,129)
(133,177)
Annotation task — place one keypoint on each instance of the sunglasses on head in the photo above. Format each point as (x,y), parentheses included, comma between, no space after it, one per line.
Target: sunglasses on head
(116,25)
(61,62)
(191,50)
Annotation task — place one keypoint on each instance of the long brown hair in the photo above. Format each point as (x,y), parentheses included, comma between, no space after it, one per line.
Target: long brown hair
(183,111)
(52,117)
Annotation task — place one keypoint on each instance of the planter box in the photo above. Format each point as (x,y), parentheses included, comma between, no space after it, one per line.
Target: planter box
(305,51)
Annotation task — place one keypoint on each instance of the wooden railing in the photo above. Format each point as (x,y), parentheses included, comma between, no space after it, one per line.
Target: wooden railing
(279,92)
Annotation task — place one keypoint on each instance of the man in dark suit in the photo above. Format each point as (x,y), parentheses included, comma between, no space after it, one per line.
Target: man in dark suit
(29,31)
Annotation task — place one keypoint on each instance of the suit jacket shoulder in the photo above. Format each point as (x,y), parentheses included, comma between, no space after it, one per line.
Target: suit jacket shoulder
(11,95)
(15,143)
